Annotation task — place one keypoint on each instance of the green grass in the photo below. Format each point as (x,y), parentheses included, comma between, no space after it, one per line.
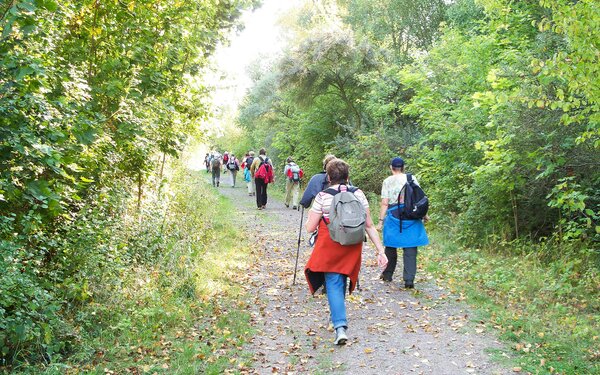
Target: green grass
(547,311)
(180,313)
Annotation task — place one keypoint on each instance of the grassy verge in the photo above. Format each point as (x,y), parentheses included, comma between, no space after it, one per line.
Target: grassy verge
(546,310)
(179,310)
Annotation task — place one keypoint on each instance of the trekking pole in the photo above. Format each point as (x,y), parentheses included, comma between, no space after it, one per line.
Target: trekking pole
(298,251)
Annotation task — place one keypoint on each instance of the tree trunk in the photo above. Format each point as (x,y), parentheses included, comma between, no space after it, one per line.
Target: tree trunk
(5,12)
(162,168)
(92,60)
(515,213)
(139,202)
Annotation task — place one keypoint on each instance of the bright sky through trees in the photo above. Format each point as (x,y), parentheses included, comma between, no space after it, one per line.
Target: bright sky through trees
(260,38)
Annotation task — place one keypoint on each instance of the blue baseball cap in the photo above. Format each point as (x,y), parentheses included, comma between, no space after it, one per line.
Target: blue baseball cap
(397,162)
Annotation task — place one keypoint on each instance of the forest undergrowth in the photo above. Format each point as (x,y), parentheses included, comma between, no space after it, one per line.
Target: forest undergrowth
(545,308)
(167,302)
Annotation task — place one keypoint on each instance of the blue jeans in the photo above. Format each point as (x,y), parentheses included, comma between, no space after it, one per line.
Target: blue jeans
(336,290)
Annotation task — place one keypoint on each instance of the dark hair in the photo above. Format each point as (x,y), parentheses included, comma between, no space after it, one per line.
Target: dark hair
(289,159)
(338,171)
(262,151)
(398,169)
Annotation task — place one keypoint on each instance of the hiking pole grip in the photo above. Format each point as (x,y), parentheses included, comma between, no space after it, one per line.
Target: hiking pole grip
(298,250)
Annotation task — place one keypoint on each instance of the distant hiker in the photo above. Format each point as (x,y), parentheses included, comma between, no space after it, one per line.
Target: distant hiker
(316,184)
(233,166)
(243,164)
(215,166)
(207,162)
(225,160)
(262,171)
(248,175)
(293,174)
(245,171)
(405,233)
(331,263)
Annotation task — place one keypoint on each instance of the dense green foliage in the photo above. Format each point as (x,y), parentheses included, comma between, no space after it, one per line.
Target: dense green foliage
(93,94)
(543,311)
(168,285)
(494,104)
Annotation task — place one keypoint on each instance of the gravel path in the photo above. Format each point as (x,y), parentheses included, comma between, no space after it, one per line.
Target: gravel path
(391,330)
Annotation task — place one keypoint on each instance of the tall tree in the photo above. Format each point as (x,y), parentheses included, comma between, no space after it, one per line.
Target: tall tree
(398,25)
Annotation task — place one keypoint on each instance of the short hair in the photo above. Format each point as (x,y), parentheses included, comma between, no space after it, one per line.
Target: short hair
(327,159)
(289,159)
(251,153)
(262,151)
(338,171)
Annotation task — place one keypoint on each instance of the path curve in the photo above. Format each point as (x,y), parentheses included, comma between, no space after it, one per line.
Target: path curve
(391,330)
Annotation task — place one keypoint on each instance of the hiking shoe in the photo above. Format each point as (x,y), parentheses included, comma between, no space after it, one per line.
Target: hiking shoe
(409,286)
(295,208)
(287,205)
(385,278)
(340,336)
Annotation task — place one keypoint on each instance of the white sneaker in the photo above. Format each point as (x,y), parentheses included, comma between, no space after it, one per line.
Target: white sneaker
(340,336)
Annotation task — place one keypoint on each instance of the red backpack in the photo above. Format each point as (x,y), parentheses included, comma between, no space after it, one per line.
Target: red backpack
(264,171)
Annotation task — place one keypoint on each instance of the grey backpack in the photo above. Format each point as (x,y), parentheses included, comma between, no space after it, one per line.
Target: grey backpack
(347,217)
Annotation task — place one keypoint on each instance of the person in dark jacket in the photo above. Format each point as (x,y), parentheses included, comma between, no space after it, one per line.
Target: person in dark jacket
(316,184)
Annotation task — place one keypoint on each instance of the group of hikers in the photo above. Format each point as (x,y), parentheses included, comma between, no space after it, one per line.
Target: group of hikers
(339,220)
(258,174)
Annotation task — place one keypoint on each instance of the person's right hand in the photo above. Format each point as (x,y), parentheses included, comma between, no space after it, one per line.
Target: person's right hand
(382,260)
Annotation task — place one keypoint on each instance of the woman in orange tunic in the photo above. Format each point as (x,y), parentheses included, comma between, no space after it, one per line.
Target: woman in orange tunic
(332,263)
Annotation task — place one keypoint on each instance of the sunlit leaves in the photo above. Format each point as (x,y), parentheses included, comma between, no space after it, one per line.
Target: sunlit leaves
(90,92)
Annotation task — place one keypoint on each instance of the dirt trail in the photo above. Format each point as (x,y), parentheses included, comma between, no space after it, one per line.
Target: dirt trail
(391,330)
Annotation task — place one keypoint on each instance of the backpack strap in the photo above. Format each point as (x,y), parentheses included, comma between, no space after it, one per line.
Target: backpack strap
(334,192)
(409,180)
(331,191)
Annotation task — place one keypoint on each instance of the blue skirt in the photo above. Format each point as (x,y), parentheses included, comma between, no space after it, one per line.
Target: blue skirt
(413,231)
